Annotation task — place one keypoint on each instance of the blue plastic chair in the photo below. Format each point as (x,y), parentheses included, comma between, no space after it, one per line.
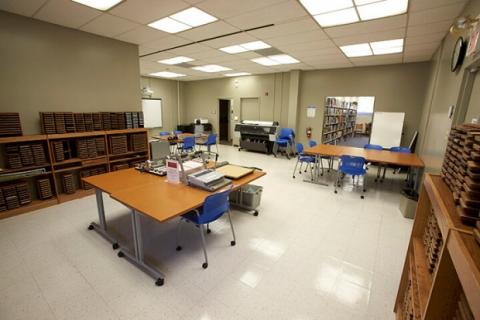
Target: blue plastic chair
(164,133)
(301,158)
(211,141)
(177,132)
(379,165)
(353,166)
(312,143)
(214,207)
(188,144)
(284,142)
(400,150)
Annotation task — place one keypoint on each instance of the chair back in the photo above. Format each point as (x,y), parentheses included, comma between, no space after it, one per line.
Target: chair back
(164,133)
(286,133)
(188,142)
(178,132)
(400,149)
(212,139)
(373,146)
(352,165)
(215,206)
(299,148)
(312,143)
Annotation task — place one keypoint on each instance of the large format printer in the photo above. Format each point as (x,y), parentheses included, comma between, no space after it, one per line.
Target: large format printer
(257,135)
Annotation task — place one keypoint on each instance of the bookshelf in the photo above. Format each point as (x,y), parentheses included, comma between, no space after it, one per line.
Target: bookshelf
(58,162)
(339,119)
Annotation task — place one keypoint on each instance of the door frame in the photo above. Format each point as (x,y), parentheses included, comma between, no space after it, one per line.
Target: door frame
(230,121)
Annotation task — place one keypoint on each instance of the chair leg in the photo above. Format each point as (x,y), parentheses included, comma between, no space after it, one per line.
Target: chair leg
(232,243)
(364,186)
(300,169)
(208,228)
(384,172)
(179,228)
(311,170)
(321,164)
(295,169)
(202,231)
(337,182)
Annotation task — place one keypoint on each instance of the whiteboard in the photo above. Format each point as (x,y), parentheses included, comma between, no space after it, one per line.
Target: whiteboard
(152,113)
(387,129)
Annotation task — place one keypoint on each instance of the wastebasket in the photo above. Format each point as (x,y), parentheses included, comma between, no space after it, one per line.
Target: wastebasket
(247,197)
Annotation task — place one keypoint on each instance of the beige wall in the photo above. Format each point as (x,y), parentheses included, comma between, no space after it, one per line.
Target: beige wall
(397,88)
(168,91)
(45,67)
(200,98)
(444,89)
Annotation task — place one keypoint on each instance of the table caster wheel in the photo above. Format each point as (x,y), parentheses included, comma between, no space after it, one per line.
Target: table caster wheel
(179,248)
(115,246)
(232,243)
(293,177)
(90,227)
(209,231)
(159,282)
(362,197)
(255,213)
(364,190)
(120,254)
(205,265)
(335,191)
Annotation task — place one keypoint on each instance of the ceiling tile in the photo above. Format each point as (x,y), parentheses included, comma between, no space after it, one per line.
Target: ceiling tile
(309,36)
(420,5)
(230,40)
(190,49)
(428,38)
(273,14)
(318,45)
(374,36)
(437,27)
(368,26)
(435,14)
(377,60)
(146,11)
(141,34)
(327,53)
(166,42)
(145,50)
(22,7)
(66,13)
(421,49)
(338,65)
(225,9)
(207,53)
(284,29)
(417,58)
(109,26)
(210,30)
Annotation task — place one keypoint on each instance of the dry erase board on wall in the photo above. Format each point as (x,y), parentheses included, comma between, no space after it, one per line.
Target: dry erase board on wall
(387,128)
(152,113)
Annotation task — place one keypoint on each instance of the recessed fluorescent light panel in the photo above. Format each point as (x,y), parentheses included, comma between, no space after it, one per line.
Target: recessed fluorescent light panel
(237,74)
(275,60)
(176,60)
(211,68)
(167,74)
(183,20)
(329,13)
(357,50)
(373,48)
(248,46)
(387,47)
(99,4)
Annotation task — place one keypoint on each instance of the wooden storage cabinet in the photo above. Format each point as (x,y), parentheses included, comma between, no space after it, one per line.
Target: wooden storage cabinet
(441,277)
(64,159)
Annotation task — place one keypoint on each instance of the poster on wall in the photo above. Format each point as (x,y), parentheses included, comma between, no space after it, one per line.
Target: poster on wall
(311,110)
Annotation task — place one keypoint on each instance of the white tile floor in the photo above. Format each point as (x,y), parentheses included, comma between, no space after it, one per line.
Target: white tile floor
(310,254)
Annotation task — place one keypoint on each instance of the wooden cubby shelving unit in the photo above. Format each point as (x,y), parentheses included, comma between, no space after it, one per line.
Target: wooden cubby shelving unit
(71,164)
(339,121)
(435,294)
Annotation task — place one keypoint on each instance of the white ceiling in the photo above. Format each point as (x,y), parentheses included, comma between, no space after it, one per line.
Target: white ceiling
(295,32)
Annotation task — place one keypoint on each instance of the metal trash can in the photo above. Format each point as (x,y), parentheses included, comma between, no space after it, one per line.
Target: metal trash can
(247,197)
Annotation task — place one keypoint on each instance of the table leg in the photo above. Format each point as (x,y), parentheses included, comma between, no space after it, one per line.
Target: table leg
(101,228)
(137,258)
(316,179)
(416,179)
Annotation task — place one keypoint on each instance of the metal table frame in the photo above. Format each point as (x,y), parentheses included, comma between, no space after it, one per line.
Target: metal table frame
(101,227)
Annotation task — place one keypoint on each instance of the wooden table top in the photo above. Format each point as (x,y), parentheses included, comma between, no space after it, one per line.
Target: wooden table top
(179,139)
(152,195)
(382,156)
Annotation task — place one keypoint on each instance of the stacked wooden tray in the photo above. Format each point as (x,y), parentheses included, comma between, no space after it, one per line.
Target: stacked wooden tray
(68,183)
(408,302)
(463,311)
(44,188)
(138,141)
(476,232)
(88,117)
(461,170)
(122,166)
(97,121)
(48,122)
(58,151)
(26,155)
(433,242)
(100,146)
(60,122)
(82,148)
(3,204)
(24,196)
(10,124)
(88,173)
(106,122)
(11,198)
(119,144)
(79,122)
(92,148)
(128,120)
(69,122)
(39,156)
(14,161)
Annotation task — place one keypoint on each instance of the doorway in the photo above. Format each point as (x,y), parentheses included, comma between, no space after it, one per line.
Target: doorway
(224,121)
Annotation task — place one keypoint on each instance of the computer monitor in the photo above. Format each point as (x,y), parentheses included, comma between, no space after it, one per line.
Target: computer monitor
(159,150)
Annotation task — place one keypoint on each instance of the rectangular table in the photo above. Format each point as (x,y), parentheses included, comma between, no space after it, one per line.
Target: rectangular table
(152,196)
(387,157)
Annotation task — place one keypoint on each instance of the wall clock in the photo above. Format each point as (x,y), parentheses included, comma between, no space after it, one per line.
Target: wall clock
(458,54)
